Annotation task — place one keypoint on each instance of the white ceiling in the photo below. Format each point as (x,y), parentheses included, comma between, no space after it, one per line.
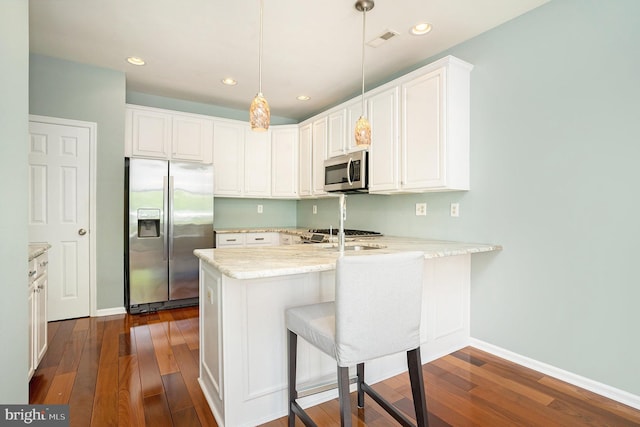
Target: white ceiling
(309,48)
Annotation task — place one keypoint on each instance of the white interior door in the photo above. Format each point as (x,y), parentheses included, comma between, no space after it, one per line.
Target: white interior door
(59,162)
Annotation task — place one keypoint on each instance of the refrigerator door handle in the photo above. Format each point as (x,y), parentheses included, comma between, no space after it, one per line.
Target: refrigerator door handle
(171,219)
(165,226)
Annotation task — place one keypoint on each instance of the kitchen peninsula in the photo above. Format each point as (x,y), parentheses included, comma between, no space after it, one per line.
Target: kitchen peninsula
(244,292)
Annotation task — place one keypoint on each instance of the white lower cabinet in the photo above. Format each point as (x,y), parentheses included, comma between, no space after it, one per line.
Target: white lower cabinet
(240,240)
(37,301)
(289,239)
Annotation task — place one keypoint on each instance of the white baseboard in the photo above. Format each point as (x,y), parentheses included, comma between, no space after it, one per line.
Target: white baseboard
(577,380)
(109,311)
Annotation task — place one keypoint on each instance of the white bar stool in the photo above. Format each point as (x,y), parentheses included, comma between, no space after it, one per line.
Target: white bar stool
(376,313)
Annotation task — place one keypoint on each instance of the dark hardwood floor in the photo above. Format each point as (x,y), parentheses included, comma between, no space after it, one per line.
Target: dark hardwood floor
(142,370)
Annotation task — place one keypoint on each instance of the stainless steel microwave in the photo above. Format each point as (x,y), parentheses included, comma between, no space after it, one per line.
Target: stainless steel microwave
(347,173)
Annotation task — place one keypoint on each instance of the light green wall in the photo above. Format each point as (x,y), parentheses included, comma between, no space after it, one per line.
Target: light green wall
(148,100)
(14,119)
(232,213)
(76,91)
(555,131)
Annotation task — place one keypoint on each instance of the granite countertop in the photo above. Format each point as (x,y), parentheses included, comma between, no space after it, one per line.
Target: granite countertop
(37,249)
(271,261)
(289,230)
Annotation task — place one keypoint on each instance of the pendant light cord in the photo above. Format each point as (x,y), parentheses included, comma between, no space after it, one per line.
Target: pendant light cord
(364,24)
(260,53)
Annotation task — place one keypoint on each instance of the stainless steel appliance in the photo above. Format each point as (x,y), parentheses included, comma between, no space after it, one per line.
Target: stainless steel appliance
(348,173)
(169,210)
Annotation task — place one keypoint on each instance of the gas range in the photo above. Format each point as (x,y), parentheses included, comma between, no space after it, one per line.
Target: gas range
(347,232)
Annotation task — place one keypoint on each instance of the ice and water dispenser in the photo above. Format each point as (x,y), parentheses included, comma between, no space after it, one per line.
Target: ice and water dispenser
(148,223)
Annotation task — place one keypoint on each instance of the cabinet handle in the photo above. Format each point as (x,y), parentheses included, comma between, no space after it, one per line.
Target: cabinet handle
(32,273)
(40,287)
(231,240)
(44,263)
(259,238)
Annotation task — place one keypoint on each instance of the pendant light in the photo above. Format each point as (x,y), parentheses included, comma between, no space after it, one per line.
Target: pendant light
(259,114)
(363,128)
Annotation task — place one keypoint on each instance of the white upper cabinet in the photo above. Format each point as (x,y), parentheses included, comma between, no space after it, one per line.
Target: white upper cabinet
(257,163)
(228,158)
(305,160)
(354,111)
(319,144)
(148,133)
(192,139)
(384,173)
(241,160)
(163,134)
(284,161)
(336,141)
(435,127)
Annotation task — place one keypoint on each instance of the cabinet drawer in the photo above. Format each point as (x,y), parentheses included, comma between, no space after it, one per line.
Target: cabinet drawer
(38,267)
(230,239)
(262,239)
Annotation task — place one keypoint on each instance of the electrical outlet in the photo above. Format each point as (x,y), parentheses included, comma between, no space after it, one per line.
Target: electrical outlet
(455,209)
(259,208)
(421,209)
(315,209)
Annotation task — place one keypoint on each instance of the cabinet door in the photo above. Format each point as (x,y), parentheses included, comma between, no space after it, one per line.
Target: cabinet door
(40,317)
(229,240)
(305,161)
(257,163)
(32,330)
(422,131)
(284,161)
(192,138)
(262,239)
(384,150)
(319,143)
(228,158)
(151,134)
(354,111)
(336,133)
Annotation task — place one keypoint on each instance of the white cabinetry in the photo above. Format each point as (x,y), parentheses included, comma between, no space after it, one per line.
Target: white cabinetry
(319,155)
(284,161)
(384,151)
(435,127)
(257,163)
(37,301)
(240,240)
(242,160)
(289,239)
(336,141)
(164,134)
(305,160)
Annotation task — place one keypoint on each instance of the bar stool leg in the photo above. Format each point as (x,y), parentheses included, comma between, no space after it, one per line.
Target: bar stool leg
(343,393)
(360,371)
(414,363)
(292,340)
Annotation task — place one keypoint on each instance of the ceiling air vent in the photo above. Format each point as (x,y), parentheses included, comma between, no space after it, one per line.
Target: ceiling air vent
(382,38)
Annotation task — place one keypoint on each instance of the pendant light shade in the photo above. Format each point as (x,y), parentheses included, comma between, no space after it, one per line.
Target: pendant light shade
(259,112)
(362,132)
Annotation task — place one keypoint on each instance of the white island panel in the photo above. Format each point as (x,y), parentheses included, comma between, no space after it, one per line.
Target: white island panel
(243,335)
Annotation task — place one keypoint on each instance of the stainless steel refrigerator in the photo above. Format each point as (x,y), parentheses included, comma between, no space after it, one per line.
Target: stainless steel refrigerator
(169,211)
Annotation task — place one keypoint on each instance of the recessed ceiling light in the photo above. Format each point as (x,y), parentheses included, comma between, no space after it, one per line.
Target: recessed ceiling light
(229,81)
(135,60)
(421,29)
(303,98)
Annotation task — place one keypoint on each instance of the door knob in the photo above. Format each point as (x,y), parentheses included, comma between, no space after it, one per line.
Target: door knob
(82,232)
